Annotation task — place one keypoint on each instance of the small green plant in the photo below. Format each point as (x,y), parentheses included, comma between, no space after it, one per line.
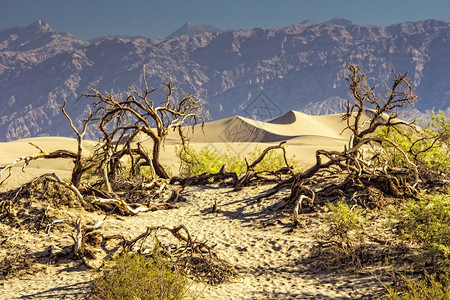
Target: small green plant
(428,146)
(195,162)
(426,288)
(148,172)
(205,160)
(342,246)
(346,224)
(134,276)
(427,222)
(91,175)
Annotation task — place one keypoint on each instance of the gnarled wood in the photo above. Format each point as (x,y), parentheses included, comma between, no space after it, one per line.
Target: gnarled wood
(137,113)
(245,179)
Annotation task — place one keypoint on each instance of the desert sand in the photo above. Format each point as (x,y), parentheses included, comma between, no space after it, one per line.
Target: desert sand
(270,257)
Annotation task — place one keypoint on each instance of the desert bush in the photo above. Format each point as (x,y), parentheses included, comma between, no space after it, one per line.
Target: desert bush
(91,176)
(342,245)
(148,172)
(427,222)
(194,162)
(134,276)
(428,146)
(427,287)
(345,224)
(205,160)
(143,171)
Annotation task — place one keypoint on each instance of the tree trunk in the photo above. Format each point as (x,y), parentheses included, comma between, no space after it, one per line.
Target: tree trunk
(159,169)
(77,172)
(105,177)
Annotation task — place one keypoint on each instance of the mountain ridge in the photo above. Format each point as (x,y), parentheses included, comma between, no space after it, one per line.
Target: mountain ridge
(292,65)
(189,29)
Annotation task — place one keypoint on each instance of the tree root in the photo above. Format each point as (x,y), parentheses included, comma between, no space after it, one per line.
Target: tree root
(189,255)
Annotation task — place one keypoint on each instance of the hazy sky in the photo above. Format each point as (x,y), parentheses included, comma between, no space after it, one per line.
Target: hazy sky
(157,18)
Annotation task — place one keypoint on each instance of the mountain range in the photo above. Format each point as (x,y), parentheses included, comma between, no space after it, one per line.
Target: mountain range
(257,73)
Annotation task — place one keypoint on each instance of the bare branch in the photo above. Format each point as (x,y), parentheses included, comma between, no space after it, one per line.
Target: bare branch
(143,117)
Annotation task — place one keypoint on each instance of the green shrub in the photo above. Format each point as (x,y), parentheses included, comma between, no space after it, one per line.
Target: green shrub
(426,288)
(134,276)
(91,175)
(421,145)
(149,172)
(205,160)
(345,223)
(427,222)
(195,162)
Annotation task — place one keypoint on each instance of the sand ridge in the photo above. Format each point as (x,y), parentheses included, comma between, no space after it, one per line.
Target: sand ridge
(293,124)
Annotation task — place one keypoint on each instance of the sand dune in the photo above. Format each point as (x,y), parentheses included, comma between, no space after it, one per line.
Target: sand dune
(291,125)
(236,135)
(300,124)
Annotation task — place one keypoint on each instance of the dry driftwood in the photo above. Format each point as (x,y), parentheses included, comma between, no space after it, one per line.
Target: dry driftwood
(118,205)
(180,232)
(246,178)
(176,195)
(40,155)
(243,180)
(298,204)
(80,249)
(220,176)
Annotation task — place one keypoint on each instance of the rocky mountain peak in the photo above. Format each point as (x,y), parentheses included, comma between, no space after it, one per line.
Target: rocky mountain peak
(41,26)
(37,35)
(189,29)
(340,22)
(307,22)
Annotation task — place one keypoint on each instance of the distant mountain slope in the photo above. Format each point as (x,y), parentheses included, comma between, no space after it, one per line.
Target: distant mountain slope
(190,29)
(328,106)
(295,65)
(24,47)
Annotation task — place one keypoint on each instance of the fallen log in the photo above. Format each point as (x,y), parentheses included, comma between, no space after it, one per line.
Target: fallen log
(124,208)
(206,178)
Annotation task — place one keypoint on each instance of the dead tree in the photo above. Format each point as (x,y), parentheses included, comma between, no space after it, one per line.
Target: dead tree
(121,120)
(384,107)
(368,112)
(79,166)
